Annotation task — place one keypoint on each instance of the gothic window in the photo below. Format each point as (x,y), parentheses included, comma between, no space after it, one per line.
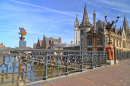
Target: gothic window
(89,41)
(100,40)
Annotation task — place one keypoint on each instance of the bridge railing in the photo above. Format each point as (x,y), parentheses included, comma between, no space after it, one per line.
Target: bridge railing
(18,67)
(122,55)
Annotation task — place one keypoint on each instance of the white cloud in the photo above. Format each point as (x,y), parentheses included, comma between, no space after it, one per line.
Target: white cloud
(56,11)
(109,3)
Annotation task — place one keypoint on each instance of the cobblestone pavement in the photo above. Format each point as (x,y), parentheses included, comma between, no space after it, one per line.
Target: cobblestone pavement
(115,75)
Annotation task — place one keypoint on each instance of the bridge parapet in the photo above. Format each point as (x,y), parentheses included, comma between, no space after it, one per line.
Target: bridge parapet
(22,66)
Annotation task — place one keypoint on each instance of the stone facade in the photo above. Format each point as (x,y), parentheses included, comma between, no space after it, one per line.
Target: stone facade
(95,38)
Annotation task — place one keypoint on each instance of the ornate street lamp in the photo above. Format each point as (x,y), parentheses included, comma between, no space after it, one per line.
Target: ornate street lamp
(109,25)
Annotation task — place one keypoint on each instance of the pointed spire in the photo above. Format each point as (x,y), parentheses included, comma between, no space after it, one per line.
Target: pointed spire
(76,18)
(44,43)
(76,24)
(85,9)
(38,44)
(94,12)
(85,15)
(125,24)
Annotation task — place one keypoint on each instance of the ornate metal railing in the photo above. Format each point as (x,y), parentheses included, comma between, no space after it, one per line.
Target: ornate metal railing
(19,67)
(122,55)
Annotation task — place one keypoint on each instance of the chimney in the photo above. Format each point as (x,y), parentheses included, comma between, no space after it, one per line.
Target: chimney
(51,40)
(59,40)
(71,42)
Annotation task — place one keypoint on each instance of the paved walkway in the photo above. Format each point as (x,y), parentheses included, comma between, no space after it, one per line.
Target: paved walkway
(115,75)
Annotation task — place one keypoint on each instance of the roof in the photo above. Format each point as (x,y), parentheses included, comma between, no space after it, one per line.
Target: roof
(48,40)
(56,44)
(28,48)
(72,45)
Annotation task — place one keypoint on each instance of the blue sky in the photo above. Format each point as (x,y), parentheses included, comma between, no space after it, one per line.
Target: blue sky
(53,18)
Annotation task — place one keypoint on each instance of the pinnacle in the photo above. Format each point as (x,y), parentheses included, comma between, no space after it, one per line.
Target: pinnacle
(94,12)
(76,18)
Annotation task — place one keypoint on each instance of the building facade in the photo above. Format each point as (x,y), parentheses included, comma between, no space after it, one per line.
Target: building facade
(95,37)
(49,43)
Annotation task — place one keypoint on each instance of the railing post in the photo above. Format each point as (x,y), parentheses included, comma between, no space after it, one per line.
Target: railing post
(81,66)
(100,60)
(106,54)
(67,61)
(75,61)
(46,66)
(58,64)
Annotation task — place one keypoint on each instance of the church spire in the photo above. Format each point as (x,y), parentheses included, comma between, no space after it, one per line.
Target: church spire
(125,23)
(85,15)
(76,24)
(76,18)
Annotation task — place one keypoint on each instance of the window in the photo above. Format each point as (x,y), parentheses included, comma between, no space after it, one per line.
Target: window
(117,43)
(113,41)
(100,41)
(89,41)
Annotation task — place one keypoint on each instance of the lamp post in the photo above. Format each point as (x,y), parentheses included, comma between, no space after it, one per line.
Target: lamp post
(109,25)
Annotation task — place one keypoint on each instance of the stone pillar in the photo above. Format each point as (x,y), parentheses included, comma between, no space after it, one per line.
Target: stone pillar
(111,54)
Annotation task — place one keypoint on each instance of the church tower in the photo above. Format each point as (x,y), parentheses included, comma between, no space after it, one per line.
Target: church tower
(84,27)
(76,31)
